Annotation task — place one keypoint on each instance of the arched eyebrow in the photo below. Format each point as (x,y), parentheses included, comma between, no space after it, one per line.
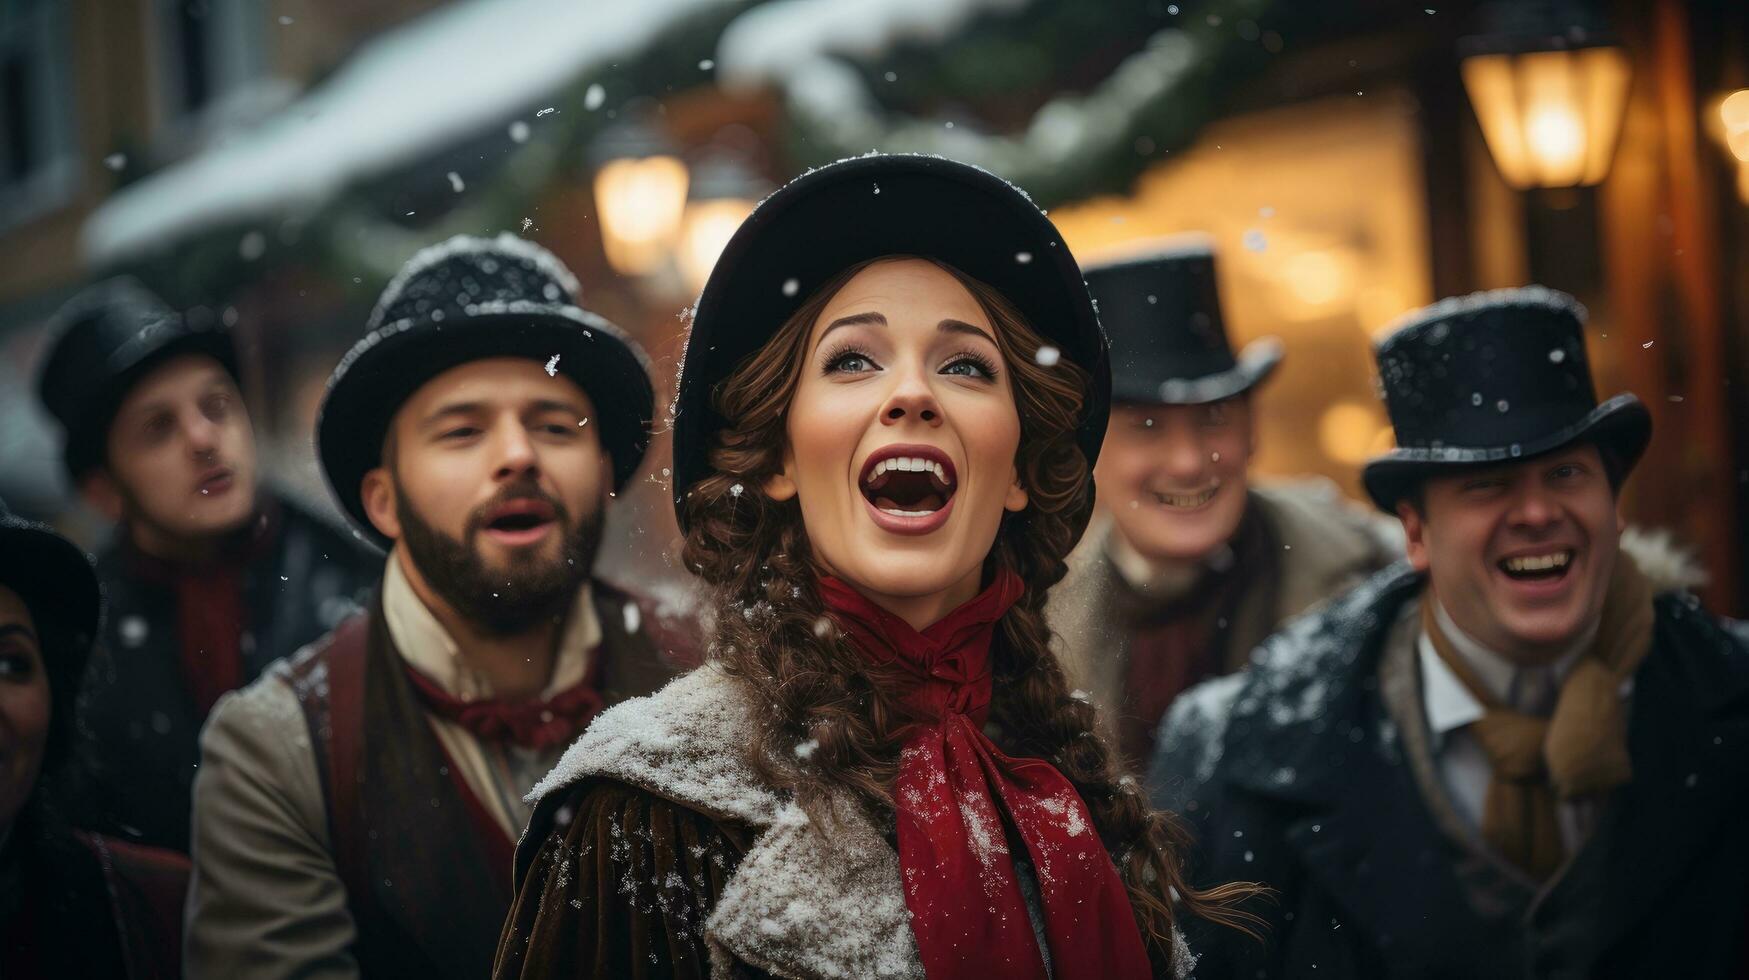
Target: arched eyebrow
(962,327)
(17,629)
(879,320)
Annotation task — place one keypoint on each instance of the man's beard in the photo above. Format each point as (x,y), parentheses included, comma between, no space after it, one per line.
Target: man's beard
(513,600)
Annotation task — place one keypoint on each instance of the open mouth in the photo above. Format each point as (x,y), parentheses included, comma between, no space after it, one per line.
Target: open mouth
(215,481)
(1185,501)
(1548,566)
(908,488)
(521,521)
(908,481)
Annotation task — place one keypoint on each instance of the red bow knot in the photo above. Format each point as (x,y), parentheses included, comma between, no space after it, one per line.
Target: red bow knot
(533,724)
(958,799)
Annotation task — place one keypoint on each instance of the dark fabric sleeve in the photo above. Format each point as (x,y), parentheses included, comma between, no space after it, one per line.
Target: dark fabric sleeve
(621,887)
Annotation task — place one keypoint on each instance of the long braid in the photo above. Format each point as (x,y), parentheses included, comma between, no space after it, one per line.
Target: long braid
(823,719)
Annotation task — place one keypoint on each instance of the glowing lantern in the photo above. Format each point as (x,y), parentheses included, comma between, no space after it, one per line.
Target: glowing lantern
(640,193)
(723,194)
(1734,115)
(1549,98)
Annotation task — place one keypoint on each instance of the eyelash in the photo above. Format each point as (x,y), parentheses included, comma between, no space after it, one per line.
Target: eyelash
(833,360)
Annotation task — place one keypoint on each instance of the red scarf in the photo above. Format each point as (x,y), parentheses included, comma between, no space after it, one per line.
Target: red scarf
(533,724)
(211,614)
(957,799)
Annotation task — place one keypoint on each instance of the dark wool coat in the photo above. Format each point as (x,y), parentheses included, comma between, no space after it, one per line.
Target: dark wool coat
(139,724)
(655,851)
(1296,774)
(1321,545)
(81,905)
(335,831)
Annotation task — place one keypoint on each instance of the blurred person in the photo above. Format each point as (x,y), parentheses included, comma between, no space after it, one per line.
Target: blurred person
(72,904)
(1191,563)
(1520,754)
(357,806)
(880,772)
(209,575)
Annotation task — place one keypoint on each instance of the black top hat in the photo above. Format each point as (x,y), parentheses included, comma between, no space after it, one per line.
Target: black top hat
(1494,377)
(59,587)
(828,220)
(104,341)
(1169,343)
(465,300)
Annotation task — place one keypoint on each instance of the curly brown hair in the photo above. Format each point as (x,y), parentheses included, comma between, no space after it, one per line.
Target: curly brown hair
(810,686)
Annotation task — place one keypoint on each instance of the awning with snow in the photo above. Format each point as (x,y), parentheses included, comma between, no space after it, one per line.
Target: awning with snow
(443,77)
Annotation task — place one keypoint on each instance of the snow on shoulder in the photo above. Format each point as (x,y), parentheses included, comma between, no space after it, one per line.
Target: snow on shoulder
(687,741)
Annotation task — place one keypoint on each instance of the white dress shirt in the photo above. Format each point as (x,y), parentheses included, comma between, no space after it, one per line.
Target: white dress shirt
(499,775)
(1463,766)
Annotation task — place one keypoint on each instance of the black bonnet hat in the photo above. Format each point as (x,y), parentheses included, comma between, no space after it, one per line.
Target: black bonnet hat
(832,218)
(1490,378)
(464,300)
(59,587)
(1162,311)
(103,342)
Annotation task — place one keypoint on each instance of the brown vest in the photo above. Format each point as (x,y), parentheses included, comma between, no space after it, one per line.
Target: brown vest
(426,870)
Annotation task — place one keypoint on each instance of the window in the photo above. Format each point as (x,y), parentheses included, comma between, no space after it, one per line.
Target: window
(38,153)
(211,59)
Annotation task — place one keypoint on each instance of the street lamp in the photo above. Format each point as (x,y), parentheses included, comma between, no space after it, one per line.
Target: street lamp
(724,191)
(1734,119)
(1549,85)
(640,193)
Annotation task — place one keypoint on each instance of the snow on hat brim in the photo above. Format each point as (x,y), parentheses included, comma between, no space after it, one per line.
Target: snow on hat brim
(394,361)
(1621,425)
(863,208)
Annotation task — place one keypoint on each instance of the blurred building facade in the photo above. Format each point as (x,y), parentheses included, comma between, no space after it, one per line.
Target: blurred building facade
(272,165)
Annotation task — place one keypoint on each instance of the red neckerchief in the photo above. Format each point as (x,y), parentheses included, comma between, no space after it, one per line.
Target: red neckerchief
(957,797)
(533,724)
(210,612)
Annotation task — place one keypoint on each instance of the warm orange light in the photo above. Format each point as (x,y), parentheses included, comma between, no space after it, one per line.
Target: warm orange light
(708,226)
(1551,118)
(1734,111)
(641,201)
(1349,431)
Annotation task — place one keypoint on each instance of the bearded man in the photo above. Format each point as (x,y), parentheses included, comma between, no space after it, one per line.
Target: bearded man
(356,808)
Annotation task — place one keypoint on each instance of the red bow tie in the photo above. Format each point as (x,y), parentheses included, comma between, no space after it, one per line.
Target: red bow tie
(533,724)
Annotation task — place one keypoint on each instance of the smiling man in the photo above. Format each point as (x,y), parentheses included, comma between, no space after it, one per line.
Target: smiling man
(1520,754)
(357,806)
(1192,563)
(209,577)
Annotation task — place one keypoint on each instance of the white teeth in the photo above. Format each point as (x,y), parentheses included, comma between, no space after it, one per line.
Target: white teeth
(906,513)
(906,464)
(1538,563)
(1186,500)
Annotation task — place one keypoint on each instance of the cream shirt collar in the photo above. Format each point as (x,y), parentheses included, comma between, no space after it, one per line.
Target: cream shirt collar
(426,645)
(1447,702)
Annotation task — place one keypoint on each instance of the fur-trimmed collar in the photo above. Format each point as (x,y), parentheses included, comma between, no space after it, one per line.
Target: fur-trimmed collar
(805,901)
